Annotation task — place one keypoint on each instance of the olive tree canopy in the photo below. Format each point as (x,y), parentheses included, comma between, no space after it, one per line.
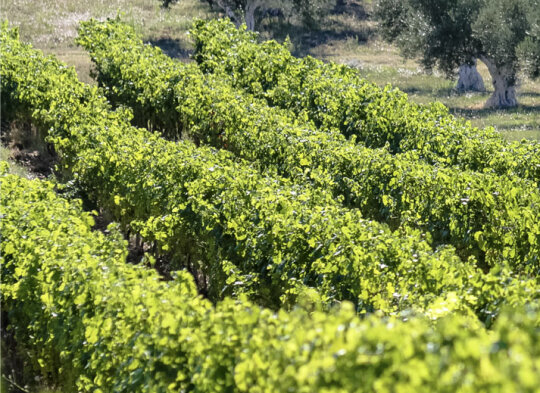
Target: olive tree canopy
(503,34)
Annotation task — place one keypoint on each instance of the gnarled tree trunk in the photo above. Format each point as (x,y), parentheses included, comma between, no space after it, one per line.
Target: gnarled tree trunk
(226,7)
(469,79)
(234,12)
(251,7)
(504,83)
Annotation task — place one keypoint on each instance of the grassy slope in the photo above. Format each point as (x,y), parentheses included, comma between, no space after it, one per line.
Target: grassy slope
(50,25)
(345,37)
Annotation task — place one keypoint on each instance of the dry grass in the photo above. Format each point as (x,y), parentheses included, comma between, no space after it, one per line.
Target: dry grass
(51,25)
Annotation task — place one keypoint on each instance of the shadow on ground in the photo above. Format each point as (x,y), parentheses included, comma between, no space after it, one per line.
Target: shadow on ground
(484,112)
(431,92)
(172,48)
(306,37)
(529,94)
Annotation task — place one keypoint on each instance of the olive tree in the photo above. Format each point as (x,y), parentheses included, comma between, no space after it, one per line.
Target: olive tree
(449,34)
(246,11)
(241,11)
(469,78)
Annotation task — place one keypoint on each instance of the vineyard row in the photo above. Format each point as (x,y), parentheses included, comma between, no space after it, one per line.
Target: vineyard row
(88,321)
(246,232)
(494,218)
(335,96)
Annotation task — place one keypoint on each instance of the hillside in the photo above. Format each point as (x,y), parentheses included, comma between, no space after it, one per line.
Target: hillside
(347,36)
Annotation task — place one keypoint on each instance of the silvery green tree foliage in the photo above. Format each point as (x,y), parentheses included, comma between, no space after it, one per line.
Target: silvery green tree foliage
(446,34)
